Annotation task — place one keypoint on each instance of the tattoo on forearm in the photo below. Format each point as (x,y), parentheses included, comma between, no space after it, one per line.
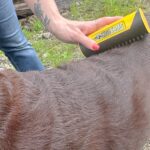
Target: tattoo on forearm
(39,13)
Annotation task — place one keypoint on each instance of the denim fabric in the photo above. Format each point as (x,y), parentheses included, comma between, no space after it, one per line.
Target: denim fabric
(12,41)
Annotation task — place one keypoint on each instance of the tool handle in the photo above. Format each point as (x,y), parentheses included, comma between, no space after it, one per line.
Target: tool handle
(131,28)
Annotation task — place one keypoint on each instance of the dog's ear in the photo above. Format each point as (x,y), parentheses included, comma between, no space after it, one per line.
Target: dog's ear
(5,107)
(9,108)
(5,95)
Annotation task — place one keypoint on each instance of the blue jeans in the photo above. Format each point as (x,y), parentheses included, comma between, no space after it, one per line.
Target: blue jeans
(12,41)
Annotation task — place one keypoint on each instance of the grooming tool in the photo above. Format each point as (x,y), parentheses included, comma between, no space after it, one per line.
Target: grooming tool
(130,28)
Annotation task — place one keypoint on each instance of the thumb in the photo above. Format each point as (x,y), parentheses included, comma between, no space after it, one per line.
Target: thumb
(88,43)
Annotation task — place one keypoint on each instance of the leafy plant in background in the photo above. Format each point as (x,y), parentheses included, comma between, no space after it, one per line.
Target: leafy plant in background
(87,9)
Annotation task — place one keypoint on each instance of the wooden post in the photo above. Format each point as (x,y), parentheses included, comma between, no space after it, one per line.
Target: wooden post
(23,10)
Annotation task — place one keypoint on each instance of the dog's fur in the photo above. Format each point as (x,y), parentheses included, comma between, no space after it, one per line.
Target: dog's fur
(99,103)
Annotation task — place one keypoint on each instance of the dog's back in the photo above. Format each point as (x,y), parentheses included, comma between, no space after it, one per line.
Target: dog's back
(99,103)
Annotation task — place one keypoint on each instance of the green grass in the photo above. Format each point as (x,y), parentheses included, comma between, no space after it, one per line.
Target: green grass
(53,52)
(92,9)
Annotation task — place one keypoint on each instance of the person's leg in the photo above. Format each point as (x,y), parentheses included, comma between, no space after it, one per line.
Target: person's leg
(12,41)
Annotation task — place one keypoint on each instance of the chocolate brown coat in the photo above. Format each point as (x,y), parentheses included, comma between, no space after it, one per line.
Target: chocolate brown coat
(98,103)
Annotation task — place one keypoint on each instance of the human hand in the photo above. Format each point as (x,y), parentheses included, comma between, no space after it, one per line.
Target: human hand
(76,31)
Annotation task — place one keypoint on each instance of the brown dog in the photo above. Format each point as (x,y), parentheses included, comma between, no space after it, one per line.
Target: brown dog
(99,103)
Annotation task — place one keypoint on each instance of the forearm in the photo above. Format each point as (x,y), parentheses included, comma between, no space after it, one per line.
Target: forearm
(65,29)
(45,10)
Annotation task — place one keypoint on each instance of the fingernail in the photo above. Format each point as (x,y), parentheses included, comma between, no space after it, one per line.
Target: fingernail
(95,47)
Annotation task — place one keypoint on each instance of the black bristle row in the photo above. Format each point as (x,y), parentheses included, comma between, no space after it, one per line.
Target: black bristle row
(130,41)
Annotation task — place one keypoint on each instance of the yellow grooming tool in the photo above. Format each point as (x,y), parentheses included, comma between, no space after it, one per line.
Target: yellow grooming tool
(130,28)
